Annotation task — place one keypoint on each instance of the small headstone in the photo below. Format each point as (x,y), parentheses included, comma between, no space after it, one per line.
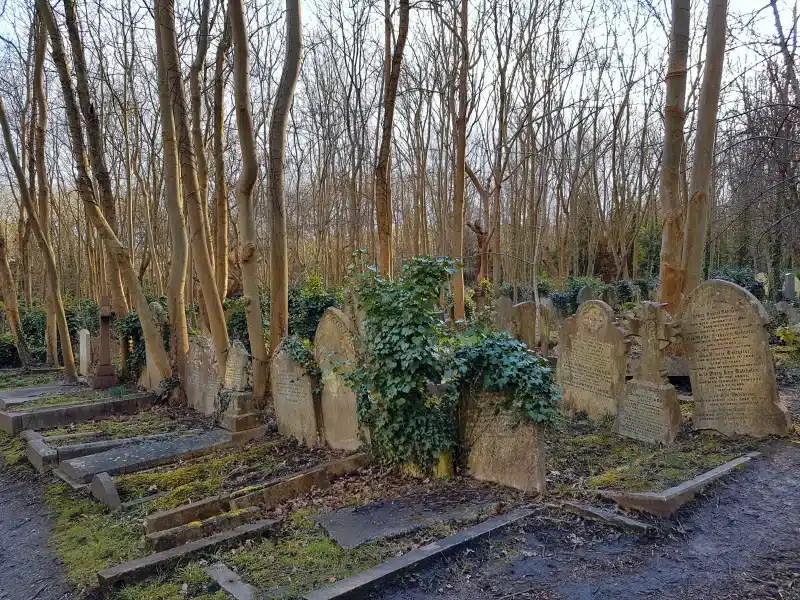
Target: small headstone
(791,312)
(789,288)
(592,360)
(85,351)
(202,386)
(240,414)
(293,397)
(525,326)
(237,369)
(610,297)
(732,373)
(104,375)
(105,491)
(334,351)
(649,409)
(498,448)
(585,294)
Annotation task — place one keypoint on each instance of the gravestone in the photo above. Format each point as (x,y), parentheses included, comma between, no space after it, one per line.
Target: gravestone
(789,287)
(104,375)
(649,409)
(237,369)
(85,351)
(610,297)
(334,346)
(585,294)
(240,413)
(504,314)
(293,396)
(202,386)
(732,373)
(525,326)
(592,360)
(498,448)
(791,312)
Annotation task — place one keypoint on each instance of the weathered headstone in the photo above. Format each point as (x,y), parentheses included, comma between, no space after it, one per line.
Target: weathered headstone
(610,297)
(592,360)
(649,409)
(334,348)
(789,288)
(202,385)
(525,325)
(498,448)
(585,294)
(504,314)
(239,414)
(104,375)
(732,373)
(105,491)
(237,369)
(791,312)
(85,351)
(293,395)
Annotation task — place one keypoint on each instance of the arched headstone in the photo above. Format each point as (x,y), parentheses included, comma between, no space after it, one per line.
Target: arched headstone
(293,396)
(334,348)
(731,368)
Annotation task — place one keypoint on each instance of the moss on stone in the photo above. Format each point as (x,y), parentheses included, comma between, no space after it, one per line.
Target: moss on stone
(14,379)
(12,450)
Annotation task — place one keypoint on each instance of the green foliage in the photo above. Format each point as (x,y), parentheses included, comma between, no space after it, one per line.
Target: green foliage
(86,315)
(625,290)
(566,302)
(300,351)
(649,249)
(236,318)
(743,276)
(544,285)
(307,304)
(401,357)
(790,341)
(8,352)
(499,363)
(646,286)
(130,328)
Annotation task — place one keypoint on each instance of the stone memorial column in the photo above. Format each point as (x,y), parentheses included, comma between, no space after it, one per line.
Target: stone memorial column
(105,376)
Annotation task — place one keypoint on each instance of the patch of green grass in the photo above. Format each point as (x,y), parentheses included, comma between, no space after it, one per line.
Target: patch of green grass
(52,400)
(14,379)
(302,558)
(123,426)
(89,538)
(12,450)
(198,587)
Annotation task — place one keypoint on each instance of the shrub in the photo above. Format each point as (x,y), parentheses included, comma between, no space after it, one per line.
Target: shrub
(8,352)
(307,304)
(624,289)
(130,328)
(743,276)
(236,318)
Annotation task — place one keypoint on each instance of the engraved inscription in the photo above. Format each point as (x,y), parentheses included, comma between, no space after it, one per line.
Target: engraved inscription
(591,366)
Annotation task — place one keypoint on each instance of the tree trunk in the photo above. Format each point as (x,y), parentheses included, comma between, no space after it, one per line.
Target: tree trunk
(49,257)
(279,268)
(244,198)
(383,176)
(699,208)
(9,290)
(460,134)
(671,275)
(191,189)
(220,181)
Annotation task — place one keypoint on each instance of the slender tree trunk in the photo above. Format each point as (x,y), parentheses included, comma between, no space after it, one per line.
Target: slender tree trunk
(244,198)
(671,278)
(460,132)
(220,181)
(191,188)
(279,267)
(699,208)
(11,304)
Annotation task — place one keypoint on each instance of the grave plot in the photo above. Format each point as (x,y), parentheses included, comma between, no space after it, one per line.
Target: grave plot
(15,378)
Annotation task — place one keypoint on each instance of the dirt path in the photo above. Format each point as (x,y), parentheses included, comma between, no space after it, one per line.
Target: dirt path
(28,569)
(741,541)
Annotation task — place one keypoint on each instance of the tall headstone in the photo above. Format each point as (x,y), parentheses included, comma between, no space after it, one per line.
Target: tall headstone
(732,373)
(498,448)
(237,369)
(789,288)
(293,395)
(592,360)
(334,351)
(649,409)
(525,325)
(85,351)
(104,375)
(202,385)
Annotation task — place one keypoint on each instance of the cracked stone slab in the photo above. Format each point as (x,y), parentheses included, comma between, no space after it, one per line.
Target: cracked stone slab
(145,455)
(352,527)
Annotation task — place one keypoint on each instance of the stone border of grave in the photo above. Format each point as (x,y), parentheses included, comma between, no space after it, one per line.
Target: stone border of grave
(666,503)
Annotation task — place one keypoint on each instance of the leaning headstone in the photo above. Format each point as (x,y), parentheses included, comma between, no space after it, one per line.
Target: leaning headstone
(293,396)
(334,351)
(105,491)
(789,289)
(498,448)
(649,409)
(104,375)
(585,294)
(202,385)
(732,373)
(592,360)
(237,369)
(85,351)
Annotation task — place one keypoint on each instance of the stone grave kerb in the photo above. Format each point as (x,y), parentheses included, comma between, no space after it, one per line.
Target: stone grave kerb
(105,376)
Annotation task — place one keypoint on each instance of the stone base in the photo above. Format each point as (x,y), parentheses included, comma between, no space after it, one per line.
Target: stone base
(104,377)
(239,415)
(649,412)
(240,422)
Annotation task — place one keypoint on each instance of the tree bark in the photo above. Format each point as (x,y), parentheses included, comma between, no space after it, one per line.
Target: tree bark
(9,290)
(220,181)
(460,134)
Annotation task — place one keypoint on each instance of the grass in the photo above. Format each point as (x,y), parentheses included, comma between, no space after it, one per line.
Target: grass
(302,558)
(147,422)
(52,400)
(198,587)
(14,379)
(586,455)
(12,451)
(196,480)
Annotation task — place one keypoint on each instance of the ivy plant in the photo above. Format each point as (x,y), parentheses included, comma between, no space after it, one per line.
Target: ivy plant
(300,351)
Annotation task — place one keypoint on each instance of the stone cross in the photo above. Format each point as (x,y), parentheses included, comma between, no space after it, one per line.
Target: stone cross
(105,376)
(654,330)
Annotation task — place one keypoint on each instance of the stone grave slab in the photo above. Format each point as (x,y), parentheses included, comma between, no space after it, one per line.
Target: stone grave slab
(16,396)
(237,369)
(85,351)
(202,386)
(353,526)
(334,346)
(296,410)
(592,360)
(145,455)
(732,373)
(499,449)
(649,410)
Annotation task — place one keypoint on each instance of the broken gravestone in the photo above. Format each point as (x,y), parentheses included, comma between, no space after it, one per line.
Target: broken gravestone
(85,351)
(525,326)
(237,368)
(498,447)
(240,413)
(105,491)
(293,395)
(202,386)
(732,373)
(592,360)
(334,351)
(649,409)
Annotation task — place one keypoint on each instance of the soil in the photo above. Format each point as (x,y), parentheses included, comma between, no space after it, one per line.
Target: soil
(29,570)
